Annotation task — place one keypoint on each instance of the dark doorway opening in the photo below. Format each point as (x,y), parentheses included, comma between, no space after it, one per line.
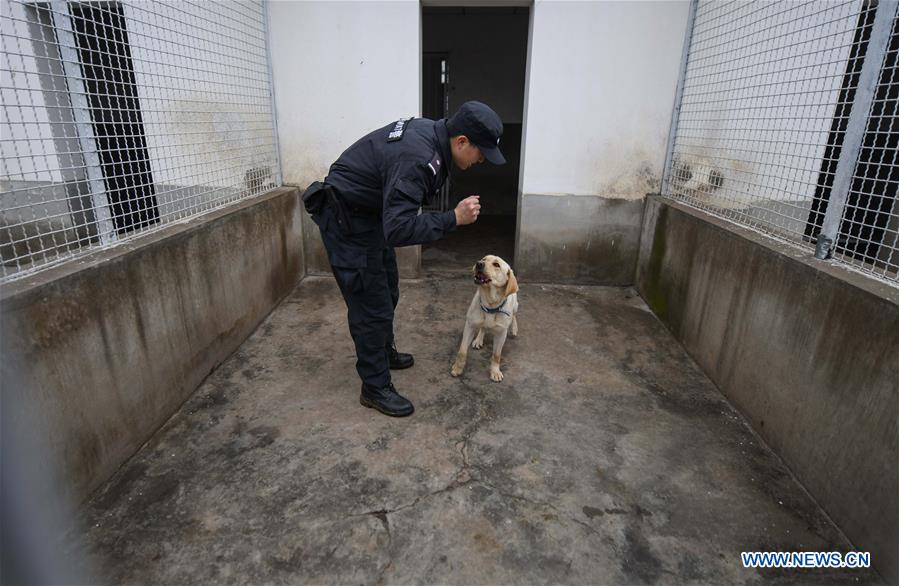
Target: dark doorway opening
(477,54)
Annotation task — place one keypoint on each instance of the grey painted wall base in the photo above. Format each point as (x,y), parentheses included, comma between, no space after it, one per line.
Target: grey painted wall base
(807,351)
(587,240)
(99,352)
(408,258)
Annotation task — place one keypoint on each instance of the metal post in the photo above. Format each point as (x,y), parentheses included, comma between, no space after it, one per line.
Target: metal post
(62,18)
(271,85)
(855,130)
(678,94)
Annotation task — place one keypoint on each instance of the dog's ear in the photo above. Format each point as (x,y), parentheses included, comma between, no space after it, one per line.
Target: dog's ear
(511,284)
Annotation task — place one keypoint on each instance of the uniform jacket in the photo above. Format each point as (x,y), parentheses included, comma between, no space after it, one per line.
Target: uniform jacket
(394,170)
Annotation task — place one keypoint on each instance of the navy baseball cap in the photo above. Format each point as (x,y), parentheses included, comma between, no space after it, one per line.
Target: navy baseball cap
(482,126)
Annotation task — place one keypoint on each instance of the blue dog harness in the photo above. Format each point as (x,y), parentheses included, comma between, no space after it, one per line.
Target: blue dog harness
(498,309)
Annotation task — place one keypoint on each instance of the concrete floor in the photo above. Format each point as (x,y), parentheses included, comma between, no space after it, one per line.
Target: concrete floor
(604,457)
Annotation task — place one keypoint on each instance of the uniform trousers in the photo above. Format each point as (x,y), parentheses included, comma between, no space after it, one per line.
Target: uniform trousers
(364,266)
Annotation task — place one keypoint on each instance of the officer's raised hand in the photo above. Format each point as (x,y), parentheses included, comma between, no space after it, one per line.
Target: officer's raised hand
(468,210)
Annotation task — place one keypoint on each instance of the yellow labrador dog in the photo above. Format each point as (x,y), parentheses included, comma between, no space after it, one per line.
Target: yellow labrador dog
(493,308)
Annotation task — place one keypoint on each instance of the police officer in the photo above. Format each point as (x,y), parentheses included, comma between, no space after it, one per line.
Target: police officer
(369,203)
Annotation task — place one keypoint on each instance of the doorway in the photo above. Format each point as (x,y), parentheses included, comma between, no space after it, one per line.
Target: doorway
(476,53)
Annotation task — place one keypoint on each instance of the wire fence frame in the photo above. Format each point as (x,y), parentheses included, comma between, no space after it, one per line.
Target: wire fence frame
(122,117)
(785,121)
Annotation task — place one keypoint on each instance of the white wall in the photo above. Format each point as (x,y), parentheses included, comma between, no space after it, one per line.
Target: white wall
(601,90)
(340,69)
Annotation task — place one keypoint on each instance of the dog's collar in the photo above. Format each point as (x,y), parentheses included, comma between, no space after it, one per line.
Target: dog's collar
(498,309)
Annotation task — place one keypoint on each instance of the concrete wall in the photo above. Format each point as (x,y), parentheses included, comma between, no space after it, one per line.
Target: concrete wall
(578,239)
(600,90)
(98,353)
(806,350)
(341,69)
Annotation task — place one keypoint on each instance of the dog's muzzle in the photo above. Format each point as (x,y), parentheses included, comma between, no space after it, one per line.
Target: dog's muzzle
(480,278)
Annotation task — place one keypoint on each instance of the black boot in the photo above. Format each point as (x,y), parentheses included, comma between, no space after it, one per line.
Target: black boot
(386,400)
(399,360)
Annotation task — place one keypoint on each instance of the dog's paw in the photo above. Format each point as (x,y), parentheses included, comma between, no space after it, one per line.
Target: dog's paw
(457,369)
(496,375)
(477,344)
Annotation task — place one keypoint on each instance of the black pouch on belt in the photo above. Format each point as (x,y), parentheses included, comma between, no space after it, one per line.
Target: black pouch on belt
(341,213)
(314,198)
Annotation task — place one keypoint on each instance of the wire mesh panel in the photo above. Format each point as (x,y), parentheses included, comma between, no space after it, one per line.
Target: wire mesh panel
(122,117)
(766,97)
(869,230)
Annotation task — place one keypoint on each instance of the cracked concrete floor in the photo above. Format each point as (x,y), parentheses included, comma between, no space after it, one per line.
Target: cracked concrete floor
(605,456)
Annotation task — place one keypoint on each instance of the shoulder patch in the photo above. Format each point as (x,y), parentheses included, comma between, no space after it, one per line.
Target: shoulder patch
(435,164)
(398,130)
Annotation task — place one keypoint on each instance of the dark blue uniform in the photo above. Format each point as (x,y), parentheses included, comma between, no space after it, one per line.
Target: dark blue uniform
(379,185)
